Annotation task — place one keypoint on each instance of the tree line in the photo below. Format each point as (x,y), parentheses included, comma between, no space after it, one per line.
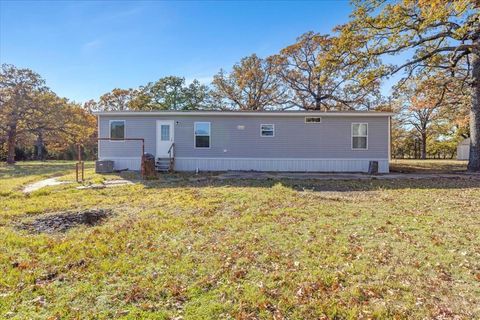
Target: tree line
(308,75)
(33,117)
(437,96)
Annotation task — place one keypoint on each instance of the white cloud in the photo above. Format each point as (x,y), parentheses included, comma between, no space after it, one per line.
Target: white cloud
(92,46)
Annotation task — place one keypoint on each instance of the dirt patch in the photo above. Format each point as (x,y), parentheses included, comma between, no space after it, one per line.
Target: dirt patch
(63,221)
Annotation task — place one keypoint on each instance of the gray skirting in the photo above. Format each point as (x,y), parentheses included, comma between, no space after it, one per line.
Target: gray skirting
(262,164)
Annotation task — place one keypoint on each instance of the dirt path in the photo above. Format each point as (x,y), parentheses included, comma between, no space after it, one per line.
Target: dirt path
(42,183)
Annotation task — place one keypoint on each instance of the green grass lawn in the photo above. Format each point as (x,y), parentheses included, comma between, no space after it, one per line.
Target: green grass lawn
(242,249)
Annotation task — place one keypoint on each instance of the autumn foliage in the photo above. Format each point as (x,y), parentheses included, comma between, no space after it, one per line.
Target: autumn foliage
(437,94)
(35,122)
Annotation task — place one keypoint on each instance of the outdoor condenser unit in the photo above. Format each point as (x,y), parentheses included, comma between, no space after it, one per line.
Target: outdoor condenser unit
(104,166)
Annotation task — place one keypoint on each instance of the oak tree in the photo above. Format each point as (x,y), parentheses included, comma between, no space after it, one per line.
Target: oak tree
(18,110)
(50,117)
(164,94)
(427,101)
(78,127)
(434,35)
(171,93)
(251,85)
(196,96)
(319,77)
(116,100)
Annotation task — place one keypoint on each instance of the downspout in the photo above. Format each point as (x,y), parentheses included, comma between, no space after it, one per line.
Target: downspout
(389,139)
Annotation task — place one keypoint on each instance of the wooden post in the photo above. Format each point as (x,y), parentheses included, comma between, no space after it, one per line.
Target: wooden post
(76,171)
(80,165)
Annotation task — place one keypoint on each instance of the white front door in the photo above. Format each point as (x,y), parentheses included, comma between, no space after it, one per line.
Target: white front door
(164,137)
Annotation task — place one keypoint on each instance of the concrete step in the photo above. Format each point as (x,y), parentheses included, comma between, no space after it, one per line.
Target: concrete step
(163,164)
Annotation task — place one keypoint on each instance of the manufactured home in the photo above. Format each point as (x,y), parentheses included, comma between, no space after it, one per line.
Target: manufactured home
(304,141)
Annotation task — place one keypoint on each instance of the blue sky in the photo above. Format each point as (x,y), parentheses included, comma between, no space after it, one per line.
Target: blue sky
(86,48)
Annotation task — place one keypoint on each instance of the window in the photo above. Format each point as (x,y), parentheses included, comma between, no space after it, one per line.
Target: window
(165,132)
(359,136)
(202,134)
(267,130)
(313,119)
(117,129)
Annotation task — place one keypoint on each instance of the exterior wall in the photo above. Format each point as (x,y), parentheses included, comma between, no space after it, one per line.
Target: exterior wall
(296,146)
(463,152)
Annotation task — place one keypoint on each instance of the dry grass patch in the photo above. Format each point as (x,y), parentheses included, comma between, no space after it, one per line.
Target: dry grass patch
(204,248)
(428,166)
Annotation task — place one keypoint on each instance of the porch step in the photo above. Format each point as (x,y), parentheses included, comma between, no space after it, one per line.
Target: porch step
(163,164)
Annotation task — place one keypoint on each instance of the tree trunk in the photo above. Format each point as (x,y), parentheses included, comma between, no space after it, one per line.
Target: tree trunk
(415,149)
(474,159)
(423,152)
(318,100)
(40,147)
(11,142)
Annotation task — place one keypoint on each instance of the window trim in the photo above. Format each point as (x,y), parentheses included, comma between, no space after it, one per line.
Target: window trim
(267,124)
(209,135)
(352,136)
(110,130)
(313,122)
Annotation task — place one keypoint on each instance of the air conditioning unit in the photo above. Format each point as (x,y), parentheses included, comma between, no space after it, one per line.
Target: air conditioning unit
(104,166)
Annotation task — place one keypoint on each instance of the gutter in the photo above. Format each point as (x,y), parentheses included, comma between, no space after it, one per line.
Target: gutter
(246,113)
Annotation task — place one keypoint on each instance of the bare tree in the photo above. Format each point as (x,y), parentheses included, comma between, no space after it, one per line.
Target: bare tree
(321,78)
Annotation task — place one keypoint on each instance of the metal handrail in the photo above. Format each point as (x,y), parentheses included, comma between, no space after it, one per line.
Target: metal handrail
(171,151)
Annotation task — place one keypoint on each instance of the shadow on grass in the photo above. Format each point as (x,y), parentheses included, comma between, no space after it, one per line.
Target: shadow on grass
(26,168)
(428,166)
(251,179)
(207,180)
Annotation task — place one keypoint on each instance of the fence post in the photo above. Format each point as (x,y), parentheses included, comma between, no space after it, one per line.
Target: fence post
(76,171)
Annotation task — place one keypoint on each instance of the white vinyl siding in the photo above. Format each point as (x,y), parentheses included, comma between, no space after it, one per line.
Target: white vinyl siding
(293,138)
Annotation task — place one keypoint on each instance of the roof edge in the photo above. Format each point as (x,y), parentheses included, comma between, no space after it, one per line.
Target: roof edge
(249,113)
